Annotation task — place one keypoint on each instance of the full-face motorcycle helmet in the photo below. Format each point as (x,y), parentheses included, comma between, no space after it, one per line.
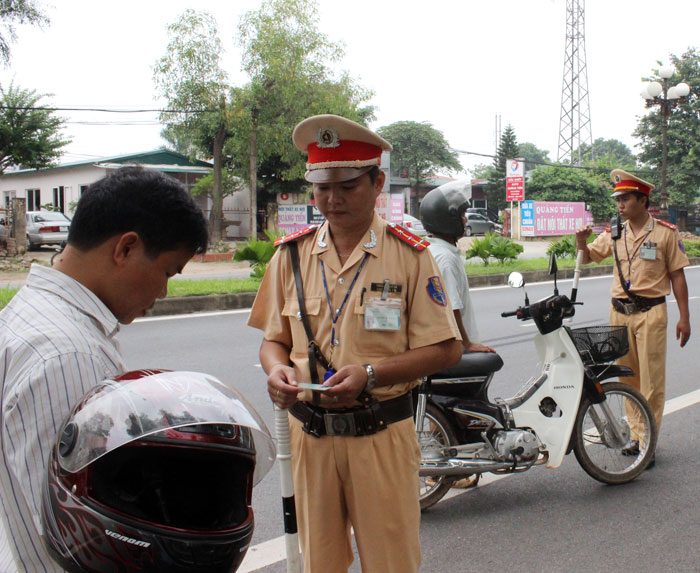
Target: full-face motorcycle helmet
(154,471)
(442,208)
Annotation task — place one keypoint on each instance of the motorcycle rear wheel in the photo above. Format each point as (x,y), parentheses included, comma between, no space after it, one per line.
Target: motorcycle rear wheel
(596,449)
(435,433)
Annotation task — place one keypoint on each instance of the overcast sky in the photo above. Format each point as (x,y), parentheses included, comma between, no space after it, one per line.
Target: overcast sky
(454,63)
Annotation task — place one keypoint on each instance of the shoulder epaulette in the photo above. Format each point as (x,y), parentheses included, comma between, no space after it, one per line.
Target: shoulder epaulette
(295,236)
(666,224)
(407,237)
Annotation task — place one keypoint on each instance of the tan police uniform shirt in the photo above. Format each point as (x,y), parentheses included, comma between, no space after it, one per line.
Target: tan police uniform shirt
(425,314)
(648,277)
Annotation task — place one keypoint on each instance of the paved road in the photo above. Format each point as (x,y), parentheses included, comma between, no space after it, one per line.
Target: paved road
(542,520)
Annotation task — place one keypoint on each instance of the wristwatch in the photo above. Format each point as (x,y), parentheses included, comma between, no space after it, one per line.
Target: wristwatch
(371,378)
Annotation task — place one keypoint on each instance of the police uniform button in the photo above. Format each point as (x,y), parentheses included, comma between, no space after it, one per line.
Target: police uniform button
(341,280)
(298,315)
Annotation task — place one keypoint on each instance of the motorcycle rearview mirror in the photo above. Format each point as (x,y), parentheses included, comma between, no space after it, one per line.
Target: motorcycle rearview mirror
(553,270)
(516,280)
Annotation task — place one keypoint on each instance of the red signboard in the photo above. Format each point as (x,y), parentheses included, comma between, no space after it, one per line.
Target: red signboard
(515,180)
(515,189)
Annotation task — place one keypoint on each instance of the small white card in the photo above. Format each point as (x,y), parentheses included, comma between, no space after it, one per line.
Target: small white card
(383,314)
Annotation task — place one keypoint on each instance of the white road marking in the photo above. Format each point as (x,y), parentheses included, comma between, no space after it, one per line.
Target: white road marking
(193,315)
(272,551)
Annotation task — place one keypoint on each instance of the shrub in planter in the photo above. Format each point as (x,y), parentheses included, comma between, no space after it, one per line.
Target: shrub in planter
(258,253)
(504,248)
(480,248)
(565,247)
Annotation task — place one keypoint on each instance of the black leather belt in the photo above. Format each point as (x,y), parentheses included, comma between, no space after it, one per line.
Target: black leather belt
(360,421)
(627,306)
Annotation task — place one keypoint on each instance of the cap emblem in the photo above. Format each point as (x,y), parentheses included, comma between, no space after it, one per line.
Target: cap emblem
(327,137)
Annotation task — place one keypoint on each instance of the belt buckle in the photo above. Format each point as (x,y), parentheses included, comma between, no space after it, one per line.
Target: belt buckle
(339,424)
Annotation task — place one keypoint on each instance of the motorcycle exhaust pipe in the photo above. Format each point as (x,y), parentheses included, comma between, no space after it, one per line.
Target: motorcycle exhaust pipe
(455,467)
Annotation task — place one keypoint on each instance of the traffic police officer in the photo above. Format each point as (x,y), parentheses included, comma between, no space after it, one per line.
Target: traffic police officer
(650,258)
(378,319)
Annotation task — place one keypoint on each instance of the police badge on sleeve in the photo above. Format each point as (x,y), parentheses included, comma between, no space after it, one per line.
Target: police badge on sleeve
(436,291)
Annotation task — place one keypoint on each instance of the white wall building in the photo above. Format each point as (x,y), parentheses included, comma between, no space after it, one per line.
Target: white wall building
(60,187)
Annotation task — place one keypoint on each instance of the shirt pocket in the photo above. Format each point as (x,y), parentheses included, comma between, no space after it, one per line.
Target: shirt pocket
(378,343)
(291,312)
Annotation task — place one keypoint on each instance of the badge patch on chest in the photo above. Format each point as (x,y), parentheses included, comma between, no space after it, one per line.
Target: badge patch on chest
(436,291)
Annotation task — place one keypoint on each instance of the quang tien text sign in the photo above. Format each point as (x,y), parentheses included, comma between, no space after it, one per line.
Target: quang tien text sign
(552,218)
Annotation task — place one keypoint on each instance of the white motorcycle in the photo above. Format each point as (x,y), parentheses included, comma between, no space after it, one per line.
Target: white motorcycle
(609,426)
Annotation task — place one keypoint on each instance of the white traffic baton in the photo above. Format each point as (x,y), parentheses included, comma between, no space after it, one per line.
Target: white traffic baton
(284,456)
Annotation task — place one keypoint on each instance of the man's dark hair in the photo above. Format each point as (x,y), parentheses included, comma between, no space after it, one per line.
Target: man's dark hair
(639,196)
(373,173)
(148,202)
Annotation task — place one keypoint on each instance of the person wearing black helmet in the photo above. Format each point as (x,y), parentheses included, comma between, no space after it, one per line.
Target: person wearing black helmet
(131,232)
(442,212)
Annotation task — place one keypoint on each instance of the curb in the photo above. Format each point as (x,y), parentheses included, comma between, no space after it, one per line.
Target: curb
(539,276)
(232,301)
(206,303)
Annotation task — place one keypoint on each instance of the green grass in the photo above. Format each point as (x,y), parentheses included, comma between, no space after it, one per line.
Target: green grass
(521,265)
(187,287)
(6,294)
(225,286)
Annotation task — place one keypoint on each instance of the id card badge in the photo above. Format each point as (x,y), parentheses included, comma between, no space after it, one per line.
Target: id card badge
(647,254)
(383,314)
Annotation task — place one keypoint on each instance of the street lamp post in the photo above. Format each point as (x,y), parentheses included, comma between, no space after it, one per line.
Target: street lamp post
(665,97)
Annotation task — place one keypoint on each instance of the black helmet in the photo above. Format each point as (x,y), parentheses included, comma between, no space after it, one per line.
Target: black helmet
(154,471)
(442,208)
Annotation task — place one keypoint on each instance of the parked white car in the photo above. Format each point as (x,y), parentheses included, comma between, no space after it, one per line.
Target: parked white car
(46,228)
(414,225)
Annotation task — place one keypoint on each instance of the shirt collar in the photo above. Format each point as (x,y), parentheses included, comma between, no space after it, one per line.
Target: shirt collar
(74,293)
(443,243)
(370,243)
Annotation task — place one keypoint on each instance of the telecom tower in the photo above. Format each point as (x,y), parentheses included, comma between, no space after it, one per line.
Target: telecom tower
(575,118)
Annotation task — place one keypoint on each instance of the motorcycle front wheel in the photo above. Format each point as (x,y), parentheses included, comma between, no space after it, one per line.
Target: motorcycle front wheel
(434,435)
(604,435)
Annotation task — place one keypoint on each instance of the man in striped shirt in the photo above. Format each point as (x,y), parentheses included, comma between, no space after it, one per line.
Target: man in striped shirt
(131,232)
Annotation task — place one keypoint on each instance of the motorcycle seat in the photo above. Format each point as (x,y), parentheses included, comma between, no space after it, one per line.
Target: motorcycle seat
(471,364)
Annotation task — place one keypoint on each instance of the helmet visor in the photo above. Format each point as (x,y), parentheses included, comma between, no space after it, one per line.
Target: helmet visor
(115,413)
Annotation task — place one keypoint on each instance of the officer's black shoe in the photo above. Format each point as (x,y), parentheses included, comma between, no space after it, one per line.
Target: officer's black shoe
(631,448)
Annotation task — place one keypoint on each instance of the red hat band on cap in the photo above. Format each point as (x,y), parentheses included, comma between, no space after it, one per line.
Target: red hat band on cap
(630,185)
(344,154)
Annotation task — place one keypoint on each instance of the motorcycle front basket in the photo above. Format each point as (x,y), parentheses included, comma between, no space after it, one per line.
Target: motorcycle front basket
(601,343)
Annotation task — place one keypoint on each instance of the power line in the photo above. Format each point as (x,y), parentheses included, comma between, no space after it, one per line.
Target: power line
(107,110)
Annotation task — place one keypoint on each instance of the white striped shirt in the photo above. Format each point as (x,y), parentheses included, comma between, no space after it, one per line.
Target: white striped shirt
(56,342)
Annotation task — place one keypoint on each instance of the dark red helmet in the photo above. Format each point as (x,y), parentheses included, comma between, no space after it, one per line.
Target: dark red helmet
(154,471)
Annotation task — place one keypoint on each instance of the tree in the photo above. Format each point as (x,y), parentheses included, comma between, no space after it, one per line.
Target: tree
(683,160)
(286,59)
(195,87)
(30,135)
(534,156)
(608,152)
(419,150)
(496,188)
(563,183)
(17,12)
